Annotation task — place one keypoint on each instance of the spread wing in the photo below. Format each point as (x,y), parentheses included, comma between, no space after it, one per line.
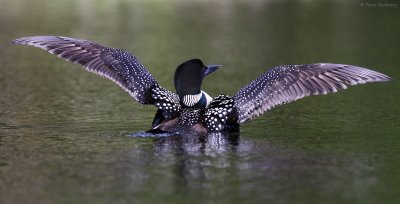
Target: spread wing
(287,83)
(117,65)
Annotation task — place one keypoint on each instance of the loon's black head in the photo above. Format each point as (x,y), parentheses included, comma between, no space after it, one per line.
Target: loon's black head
(189,75)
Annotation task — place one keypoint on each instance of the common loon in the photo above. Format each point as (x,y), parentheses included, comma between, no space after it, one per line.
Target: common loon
(191,109)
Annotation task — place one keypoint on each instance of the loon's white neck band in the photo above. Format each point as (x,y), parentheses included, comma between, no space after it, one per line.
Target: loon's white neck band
(191,100)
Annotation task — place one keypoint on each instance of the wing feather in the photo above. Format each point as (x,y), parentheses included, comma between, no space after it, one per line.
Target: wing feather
(114,64)
(287,83)
(101,60)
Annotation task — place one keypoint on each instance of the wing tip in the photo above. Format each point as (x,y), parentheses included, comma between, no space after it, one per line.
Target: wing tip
(32,39)
(374,76)
(379,77)
(18,41)
(386,78)
(24,40)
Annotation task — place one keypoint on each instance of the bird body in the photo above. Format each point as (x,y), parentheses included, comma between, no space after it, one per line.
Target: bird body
(192,110)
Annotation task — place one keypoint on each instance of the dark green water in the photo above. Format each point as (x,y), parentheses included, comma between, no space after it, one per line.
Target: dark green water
(64,133)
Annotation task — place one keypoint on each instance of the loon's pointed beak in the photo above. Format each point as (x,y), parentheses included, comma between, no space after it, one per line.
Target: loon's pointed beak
(210,69)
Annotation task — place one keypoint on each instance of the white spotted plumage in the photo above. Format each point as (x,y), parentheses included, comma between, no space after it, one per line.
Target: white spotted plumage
(218,112)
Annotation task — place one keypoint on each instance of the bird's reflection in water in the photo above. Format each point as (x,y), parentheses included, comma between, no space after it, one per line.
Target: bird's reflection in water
(226,162)
(199,144)
(194,160)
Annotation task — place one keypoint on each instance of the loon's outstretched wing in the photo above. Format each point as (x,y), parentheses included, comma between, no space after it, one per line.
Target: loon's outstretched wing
(114,64)
(287,83)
